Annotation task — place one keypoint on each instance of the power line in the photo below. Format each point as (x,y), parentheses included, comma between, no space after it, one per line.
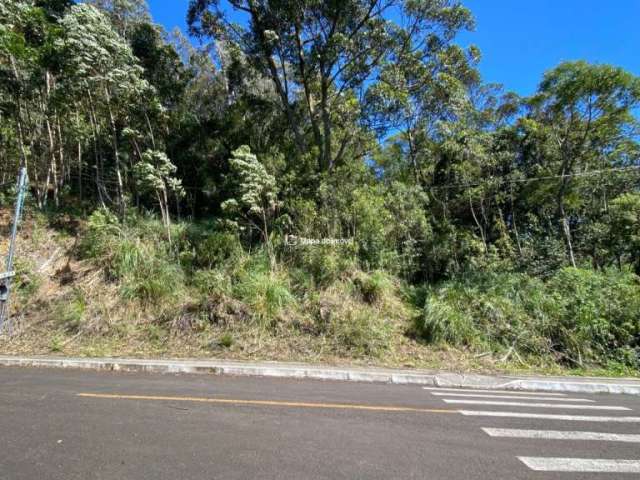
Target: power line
(536,179)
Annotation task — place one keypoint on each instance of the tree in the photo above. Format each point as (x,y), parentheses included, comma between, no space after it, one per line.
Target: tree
(124,15)
(322,55)
(624,229)
(256,202)
(101,65)
(582,115)
(156,174)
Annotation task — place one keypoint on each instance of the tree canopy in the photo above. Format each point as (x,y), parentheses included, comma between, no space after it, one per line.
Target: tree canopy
(358,118)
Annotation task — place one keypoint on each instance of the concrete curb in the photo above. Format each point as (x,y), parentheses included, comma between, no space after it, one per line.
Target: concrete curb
(302,371)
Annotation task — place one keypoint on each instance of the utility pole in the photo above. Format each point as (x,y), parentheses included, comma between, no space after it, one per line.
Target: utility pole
(5,277)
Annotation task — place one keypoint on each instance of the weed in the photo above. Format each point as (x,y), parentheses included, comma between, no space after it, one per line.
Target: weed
(70,311)
(56,344)
(226,340)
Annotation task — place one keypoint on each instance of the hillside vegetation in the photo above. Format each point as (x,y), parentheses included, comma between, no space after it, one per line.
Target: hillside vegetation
(326,181)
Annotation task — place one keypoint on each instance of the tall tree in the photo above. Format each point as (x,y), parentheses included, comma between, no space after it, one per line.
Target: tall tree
(322,55)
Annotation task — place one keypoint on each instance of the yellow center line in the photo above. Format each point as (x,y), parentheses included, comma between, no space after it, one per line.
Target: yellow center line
(268,403)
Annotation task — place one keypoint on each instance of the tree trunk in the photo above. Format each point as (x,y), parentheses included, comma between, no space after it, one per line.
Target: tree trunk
(116,153)
(326,125)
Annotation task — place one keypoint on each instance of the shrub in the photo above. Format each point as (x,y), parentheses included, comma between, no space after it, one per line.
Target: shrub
(361,331)
(578,316)
(214,248)
(442,323)
(226,340)
(209,282)
(134,253)
(352,327)
(599,316)
(326,264)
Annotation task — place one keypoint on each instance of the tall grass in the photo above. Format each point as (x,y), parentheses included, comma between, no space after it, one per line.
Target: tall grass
(134,253)
(577,317)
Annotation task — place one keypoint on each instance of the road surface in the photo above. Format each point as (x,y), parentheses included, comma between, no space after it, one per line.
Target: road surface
(57,424)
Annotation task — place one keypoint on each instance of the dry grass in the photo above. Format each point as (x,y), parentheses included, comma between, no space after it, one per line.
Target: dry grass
(71,308)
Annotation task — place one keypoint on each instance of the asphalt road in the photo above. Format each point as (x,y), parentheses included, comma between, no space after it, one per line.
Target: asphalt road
(57,424)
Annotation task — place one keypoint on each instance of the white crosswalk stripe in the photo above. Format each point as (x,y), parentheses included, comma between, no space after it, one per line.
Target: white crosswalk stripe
(509,400)
(562,435)
(510,392)
(587,465)
(548,416)
(534,405)
(513,397)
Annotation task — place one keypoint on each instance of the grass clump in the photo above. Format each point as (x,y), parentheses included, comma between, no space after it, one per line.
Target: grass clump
(375,286)
(225,340)
(134,253)
(266,293)
(354,327)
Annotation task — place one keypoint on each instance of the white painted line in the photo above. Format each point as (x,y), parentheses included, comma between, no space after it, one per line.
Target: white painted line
(562,435)
(513,397)
(510,392)
(533,405)
(548,416)
(541,464)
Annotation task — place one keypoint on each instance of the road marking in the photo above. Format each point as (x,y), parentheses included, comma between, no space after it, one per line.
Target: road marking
(561,435)
(544,416)
(534,405)
(513,397)
(541,464)
(268,403)
(511,392)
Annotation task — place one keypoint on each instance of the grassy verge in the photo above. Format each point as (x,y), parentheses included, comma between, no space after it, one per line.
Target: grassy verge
(120,288)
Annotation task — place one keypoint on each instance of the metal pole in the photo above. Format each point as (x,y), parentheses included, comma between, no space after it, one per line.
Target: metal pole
(22,183)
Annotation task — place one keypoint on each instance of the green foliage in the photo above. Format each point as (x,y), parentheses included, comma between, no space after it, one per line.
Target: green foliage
(479,198)
(27,280)
(352,326)
(374,286)
(578,317)
(266,293)
(256,200)
(216,249)
(133,253)
(155,173)
(360,332)
(325,264)
(226,340)
(624,229)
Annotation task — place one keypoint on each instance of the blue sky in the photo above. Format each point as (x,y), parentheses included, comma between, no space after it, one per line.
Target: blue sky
(520,39)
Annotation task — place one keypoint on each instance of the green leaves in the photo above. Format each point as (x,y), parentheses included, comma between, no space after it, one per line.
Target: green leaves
(256,189)
(156,173)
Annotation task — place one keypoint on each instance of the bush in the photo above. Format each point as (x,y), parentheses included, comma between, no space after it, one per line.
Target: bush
(134,253)
(212,248)
(599,316)
(360,331)
(578,317)
(209,282)
(326,264)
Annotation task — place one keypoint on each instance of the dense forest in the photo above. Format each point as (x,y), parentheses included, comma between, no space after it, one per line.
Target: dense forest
(331,171)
